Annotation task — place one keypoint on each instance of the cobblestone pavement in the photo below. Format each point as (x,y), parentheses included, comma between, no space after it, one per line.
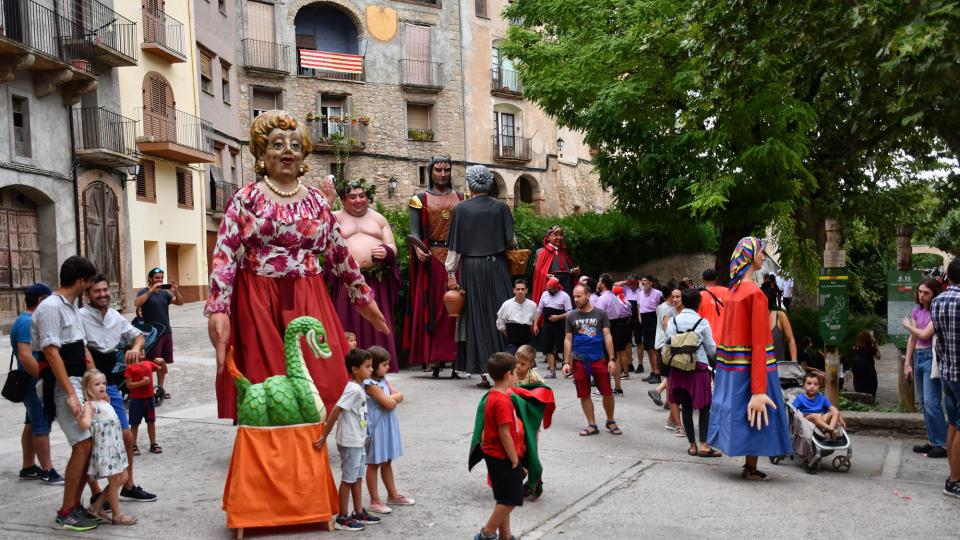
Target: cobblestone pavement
(639,485)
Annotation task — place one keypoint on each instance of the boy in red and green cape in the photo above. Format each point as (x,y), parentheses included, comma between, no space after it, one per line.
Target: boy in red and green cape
(533,404)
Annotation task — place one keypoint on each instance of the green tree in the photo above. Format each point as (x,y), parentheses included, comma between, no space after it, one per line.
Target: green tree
(740,113)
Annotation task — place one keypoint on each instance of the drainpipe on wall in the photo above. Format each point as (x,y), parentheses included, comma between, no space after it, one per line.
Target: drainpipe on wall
(76,187)
(463,86)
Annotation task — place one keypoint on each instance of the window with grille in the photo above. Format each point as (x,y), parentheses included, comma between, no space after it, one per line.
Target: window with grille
(225,81)
(206,72)
(146,182)
(264,100)
(184,189)
(21,126)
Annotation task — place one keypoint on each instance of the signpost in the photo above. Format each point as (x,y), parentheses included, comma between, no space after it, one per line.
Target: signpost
(834,305)
(901,299)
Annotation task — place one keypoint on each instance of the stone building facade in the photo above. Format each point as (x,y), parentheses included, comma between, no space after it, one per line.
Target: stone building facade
(66,150)
(385,85)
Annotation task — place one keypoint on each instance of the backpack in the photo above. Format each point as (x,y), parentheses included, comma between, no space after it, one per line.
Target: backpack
(680,351)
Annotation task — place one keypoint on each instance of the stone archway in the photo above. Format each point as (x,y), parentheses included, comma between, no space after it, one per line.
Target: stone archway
(527,190)
(499,190)
(930,250)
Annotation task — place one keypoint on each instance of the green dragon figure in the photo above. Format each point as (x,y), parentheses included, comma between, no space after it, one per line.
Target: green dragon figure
(284,400)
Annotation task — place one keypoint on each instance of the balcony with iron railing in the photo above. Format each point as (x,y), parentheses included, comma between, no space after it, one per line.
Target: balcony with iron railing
(104,137)
(176,135)
(511,148)
(55,41)
(329,135)
(421,75)
(505,83)
(330,65)
(266,58)
(113,36)
(163,36)
(220,193)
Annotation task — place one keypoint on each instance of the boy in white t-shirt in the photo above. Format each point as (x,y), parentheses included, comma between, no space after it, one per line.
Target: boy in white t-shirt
(351,411)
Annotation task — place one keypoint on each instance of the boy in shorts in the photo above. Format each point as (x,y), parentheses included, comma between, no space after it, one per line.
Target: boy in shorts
(815,407)
(351,411)
(499,444)
(139,377)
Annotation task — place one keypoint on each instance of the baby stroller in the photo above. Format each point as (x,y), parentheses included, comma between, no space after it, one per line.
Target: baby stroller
(809,443)
(151,334)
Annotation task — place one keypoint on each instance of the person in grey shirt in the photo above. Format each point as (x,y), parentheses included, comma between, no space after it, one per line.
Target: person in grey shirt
(57,333)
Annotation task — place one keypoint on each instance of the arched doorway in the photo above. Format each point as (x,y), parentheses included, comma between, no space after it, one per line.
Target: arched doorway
(499,190)
(101,226)
(328,42)
(526,190)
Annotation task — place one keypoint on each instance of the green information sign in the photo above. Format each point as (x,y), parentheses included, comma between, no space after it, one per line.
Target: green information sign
(901,298)
(834,305)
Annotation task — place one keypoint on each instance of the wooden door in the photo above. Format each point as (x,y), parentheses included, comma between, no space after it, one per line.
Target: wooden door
(101,221)
(261,22)
(154,29)
(19,256)
(416,52)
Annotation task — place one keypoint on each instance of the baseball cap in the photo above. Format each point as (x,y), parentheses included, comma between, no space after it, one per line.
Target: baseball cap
(37,290)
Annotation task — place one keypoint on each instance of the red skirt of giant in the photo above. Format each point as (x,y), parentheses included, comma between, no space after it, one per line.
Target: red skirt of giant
(261,308)
(429,331)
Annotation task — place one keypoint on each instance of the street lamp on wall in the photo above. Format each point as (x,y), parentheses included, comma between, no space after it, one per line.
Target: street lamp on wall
(391,186)
(559,145)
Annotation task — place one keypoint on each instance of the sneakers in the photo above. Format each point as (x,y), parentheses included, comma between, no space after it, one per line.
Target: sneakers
(31,473)
(365,518)
(51,477)
(951,489)
(653,378)
(923,448)
(76,520)
(347,523)
(655,396)
(639,369)
(552,374)
(106,504)
(402,501)
(937,452)
(618,391)
(137,493)
(379,508)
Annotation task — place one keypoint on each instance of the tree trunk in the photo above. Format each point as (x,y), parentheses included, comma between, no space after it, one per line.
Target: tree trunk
(729,238)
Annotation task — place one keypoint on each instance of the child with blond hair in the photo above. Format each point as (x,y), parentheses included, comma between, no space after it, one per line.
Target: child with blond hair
(526,360)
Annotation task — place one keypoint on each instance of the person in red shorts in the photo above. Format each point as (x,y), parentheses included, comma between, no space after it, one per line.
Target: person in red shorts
(139,377)
(499,442)
(587,336)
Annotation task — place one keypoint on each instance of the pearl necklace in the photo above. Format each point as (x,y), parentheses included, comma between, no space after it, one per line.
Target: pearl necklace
(278,191)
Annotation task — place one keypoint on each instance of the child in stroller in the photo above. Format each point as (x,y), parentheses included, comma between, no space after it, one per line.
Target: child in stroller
(811,442)
(151,334)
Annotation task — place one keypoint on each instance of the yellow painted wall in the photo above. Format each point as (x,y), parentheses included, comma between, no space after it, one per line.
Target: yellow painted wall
(154,225)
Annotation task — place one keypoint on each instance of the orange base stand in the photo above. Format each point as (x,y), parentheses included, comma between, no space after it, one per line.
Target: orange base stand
(277,478)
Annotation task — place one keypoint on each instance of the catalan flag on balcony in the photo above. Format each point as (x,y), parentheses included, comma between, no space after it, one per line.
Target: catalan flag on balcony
(344,63)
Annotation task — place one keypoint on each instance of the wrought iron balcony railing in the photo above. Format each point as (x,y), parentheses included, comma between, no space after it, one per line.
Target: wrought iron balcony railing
(505,81)
(104,135)
(511,148)
(421,74)
(58,38)
(266,56)
(163,35)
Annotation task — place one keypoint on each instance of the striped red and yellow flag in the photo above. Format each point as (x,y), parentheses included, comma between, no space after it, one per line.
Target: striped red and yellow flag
(344,63)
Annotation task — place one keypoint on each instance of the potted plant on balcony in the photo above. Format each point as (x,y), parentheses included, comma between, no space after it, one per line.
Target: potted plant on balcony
(363,119)
(420,134)
(80,63)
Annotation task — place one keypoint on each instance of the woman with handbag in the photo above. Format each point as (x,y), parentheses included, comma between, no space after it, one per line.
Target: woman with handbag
(691,389)
(23,382)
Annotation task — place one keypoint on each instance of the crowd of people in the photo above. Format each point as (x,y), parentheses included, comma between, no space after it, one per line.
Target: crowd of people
(708,350)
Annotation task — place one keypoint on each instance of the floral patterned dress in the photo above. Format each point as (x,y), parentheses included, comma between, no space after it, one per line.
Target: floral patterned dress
(109,456)
(268,268)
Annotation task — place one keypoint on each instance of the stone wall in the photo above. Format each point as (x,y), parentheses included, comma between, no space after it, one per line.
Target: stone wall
(676,267)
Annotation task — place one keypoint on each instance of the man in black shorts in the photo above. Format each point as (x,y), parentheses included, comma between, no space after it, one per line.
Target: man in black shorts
(552,310)
(648,298)
(153,302)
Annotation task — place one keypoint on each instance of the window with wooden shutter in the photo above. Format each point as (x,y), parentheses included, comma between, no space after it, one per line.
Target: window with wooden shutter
(416,54)
(418,116)
(206,72)
(264,100)
(225,81)
(159,108)
(184,189)
(260,22)
(481,8)
(146,182)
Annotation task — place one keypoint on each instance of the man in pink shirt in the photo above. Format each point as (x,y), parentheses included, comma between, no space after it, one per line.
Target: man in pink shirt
(618,312)
(647,301)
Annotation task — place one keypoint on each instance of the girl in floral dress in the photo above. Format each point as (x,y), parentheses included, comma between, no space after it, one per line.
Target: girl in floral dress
(109,456)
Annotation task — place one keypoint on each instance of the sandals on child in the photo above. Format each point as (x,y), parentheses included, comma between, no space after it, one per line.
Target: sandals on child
(751,473)
(136,450)
(124,519)
(711,453)
(615,430)
(155,449)
(591,429)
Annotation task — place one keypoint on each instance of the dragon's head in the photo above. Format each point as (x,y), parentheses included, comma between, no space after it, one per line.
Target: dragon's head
(315,334)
